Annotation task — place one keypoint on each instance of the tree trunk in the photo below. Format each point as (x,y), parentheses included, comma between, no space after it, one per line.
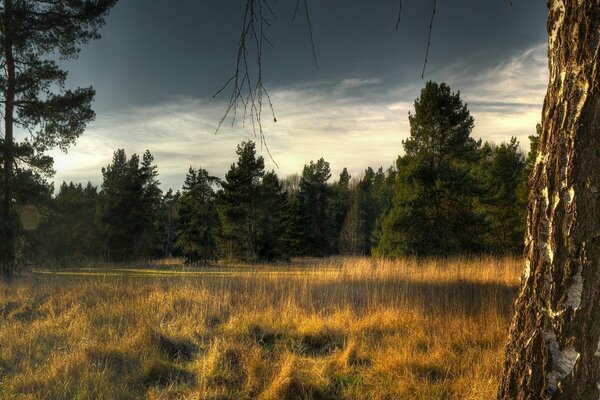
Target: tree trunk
(7,258)
(553,351)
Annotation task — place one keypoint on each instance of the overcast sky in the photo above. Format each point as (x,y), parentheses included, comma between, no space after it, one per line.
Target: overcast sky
(160,62)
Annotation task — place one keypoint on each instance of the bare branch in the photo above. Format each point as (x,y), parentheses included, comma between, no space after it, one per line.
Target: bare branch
(310,31)
(399,16)
(429,39)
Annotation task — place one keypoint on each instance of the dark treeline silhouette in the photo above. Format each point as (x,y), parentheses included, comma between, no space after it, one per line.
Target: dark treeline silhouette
(448,194)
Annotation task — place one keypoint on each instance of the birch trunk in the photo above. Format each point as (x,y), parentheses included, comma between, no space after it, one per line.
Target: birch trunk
(553,349)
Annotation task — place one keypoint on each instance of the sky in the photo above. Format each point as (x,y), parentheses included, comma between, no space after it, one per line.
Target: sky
(159,64)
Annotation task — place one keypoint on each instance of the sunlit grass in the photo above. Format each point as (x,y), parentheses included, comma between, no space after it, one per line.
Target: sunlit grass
(353,328)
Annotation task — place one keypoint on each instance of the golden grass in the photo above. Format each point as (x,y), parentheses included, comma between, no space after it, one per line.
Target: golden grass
(341,328)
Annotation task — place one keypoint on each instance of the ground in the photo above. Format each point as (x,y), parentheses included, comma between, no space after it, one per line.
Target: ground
(340,328)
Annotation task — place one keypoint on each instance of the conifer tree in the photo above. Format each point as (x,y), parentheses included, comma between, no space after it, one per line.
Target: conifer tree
(74,232)
(130,198)
(199,224)
(238,204)
(315,228)
(501,170)
(33,34)
(272,208)
(433,212)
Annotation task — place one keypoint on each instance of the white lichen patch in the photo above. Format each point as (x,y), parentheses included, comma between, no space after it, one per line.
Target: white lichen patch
(546,251)
(555,202)
(584,89)
(574,291)
(563,361)
(569,195)
(557,9)
(545,232)
(541,158)
(526,271)
(546,196)
(597,353)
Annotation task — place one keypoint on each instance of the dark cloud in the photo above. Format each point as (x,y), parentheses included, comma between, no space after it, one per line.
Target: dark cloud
(159,63)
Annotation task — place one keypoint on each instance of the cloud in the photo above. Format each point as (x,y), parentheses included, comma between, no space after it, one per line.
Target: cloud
(355,83)
(352,123)
(505,100)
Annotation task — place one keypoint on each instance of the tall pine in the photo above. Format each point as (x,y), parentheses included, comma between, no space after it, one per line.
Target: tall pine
(432,209)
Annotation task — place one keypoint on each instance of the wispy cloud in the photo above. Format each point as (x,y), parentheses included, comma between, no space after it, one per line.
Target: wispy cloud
(355,83)
(352,123)
(506,100)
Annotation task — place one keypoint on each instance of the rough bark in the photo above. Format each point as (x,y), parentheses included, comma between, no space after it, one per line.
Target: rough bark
(553,350)
(7,258)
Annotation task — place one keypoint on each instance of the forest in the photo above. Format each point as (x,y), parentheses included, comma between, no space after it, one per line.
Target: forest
(448,194)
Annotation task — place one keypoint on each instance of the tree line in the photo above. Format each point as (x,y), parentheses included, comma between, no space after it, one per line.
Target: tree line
(448,194)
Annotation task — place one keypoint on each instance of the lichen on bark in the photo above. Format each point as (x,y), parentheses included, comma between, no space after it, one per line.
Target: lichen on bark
(553,347)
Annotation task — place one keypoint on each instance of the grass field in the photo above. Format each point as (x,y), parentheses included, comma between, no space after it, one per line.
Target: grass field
(352,328)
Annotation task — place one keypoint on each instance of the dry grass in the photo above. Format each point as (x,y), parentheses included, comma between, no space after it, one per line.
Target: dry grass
(336,329)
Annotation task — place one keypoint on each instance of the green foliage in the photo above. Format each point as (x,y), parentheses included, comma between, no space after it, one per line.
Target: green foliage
(251,207)
(312,225)
(238,204)
(340,206)
(33,209)
(74,231)
(130,206)
(34,33)
(199,224)
(501,171)
(433,211)
(360,223)
(272,208)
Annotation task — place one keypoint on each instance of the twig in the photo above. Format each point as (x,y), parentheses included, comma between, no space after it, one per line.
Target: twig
(399,16)
(429,39)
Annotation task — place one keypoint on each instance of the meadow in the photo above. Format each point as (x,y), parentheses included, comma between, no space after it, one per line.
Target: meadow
(339,328)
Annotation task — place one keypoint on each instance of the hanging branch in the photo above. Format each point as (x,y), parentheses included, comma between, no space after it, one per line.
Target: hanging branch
(247,89)
(429,39)
(399,16)
(310,31)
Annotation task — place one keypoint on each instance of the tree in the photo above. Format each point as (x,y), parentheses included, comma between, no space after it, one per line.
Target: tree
(199,223)
(340,205)
(34,32)
(74,233)
(238,203)
(501,170)
(433,211)
(313,222)
(33,205)
(360,222)
(130,204)
(552,351)
(272,208)
(170,215)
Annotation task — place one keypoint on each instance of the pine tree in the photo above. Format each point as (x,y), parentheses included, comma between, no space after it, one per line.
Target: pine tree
(433,211)
(341,203)
(74,233)
(314,220)
(501,169)
(33,34)
(272,208)
(130,198)
(238,204)
(199,224)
